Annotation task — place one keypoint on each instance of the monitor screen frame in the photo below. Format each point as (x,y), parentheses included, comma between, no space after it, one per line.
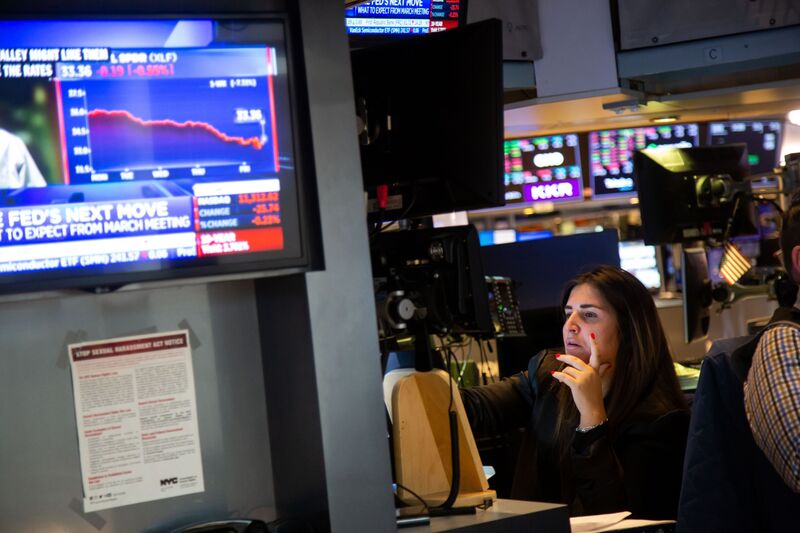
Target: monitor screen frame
(309,256)
(393,127)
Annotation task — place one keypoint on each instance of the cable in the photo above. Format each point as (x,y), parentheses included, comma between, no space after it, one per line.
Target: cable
(425,505)
(451,353)
(454,452)
(381,227)
(485,361)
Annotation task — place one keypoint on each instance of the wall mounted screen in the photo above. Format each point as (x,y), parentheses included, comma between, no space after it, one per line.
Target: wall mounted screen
(136,150)
(641,260)
(387,19)
(546,168)
(761,137)
(611,154)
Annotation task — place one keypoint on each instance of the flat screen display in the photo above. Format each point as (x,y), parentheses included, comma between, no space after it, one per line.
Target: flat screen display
(761,137)
(382,19)
(611,154)
(640,260)
(543,169)
(540,280)
(134,150)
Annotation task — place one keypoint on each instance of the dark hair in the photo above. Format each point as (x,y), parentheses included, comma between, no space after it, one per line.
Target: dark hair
(644,362)
(790,232)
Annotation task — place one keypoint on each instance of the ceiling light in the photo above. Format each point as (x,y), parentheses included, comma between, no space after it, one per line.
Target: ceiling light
(794,117)
(664,120)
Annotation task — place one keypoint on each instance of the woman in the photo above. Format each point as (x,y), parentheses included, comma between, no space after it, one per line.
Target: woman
(605,420)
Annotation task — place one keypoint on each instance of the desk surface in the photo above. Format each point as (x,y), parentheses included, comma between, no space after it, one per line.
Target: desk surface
(503,516)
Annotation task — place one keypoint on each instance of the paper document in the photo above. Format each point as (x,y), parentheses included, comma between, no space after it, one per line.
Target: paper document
(136,413)
(612,522)
(596,522)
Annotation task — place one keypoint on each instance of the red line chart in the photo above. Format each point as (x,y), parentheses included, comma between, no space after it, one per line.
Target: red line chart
(255,142)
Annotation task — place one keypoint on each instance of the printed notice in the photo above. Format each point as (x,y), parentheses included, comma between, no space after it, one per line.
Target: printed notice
(137,419)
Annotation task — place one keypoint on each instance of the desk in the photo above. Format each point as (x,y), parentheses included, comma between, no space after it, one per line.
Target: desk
(504,516)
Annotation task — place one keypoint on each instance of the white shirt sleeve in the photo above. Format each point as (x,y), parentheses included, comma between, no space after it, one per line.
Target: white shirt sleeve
(17,167)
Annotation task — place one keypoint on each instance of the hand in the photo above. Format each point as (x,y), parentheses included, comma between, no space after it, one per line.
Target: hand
(587,384)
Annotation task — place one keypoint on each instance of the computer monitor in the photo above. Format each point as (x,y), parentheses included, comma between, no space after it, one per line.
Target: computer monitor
(762,137)
(641,260)
(543,169)
(147,149)
(432,114)
(696,288)
(542,267)
(611,154)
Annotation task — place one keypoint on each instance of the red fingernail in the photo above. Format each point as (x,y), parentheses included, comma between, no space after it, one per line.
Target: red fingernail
(552,372)
(593,336)
(557,355)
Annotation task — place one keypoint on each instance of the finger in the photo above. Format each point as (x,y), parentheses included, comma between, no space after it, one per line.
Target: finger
(566,379)
(570,371)
(603,369)
(571,360)
(594,361)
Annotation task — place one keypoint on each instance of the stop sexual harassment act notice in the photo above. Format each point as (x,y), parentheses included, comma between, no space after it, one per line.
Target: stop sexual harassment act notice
(135,407)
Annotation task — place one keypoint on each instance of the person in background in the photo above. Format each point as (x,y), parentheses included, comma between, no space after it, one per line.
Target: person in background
(741,468)
(605,420)
(772,389)
(17,167)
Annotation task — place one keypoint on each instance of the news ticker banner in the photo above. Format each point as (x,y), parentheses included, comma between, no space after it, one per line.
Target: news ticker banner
(402,16)
(219,219)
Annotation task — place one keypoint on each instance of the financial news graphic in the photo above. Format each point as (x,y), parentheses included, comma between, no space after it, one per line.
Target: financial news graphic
(124,122)
(402,17)
(143,159)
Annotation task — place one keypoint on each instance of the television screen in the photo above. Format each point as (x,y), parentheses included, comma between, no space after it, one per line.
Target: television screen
(147,149)
(424,137)
(761,137)
(641,260)
(497,236)
(611,152)
(382,19)
(546,168)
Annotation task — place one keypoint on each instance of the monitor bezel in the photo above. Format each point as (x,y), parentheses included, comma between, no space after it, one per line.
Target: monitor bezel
(310,255)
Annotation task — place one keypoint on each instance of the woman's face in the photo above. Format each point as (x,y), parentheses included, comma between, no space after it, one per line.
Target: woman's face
(588,312)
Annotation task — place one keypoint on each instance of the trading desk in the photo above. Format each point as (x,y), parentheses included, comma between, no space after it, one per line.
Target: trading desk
(504,516)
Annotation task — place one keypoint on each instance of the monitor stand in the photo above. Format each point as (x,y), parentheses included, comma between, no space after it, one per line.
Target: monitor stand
(421,435)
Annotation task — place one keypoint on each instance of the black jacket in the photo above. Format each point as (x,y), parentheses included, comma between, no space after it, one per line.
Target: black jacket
(637,470)
(728,484)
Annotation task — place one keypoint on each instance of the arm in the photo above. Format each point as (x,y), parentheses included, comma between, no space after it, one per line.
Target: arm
(772,400)
(640,472)
(498,407)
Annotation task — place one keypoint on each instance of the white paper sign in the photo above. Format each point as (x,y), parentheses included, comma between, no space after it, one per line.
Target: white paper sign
(137,419)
